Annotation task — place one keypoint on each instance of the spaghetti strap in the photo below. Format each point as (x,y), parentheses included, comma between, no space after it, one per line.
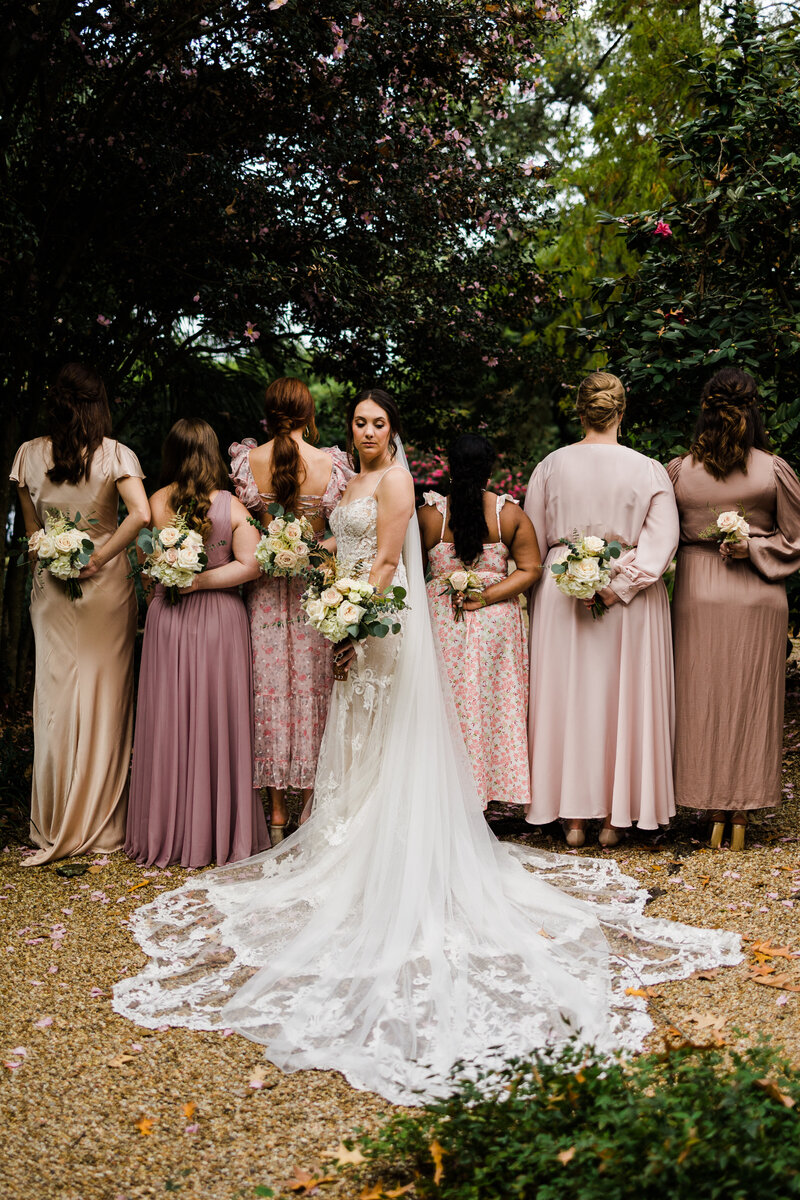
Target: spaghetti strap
(444,521)
(386,472)
(498,508)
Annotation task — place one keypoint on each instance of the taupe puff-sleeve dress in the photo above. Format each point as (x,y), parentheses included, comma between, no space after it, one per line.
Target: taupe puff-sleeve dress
(83,698)
(730,623)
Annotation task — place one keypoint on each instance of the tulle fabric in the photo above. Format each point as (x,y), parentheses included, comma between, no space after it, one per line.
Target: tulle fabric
(393,934)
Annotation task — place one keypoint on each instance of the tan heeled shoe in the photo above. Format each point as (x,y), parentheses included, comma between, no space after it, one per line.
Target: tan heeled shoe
(277,833)
(717,830)
(738,826)
(576,837)
(609,837)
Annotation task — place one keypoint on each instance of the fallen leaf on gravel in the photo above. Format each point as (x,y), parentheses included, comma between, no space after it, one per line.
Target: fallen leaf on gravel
(648,992)
(94,869)
(566,1156)
(712,974)
(707,1021)
(342,1155)
(258,1078)
(775,1093)
(120,1060)
(304,1182)
(762,951)
(136,886)
(145,1125)
(377,1192)
(777,981)
(189,1109)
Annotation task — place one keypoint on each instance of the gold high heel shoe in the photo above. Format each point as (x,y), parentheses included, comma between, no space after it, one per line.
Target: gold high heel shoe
(717,830)
(738,826)
(609,837)
(576,837)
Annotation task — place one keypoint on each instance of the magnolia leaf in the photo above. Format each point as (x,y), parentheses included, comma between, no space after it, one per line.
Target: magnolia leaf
(304,1182)
(94,869)
(71,870)
(342,1156)
(774,1092)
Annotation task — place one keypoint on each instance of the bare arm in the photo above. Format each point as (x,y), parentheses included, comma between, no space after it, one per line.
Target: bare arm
(395,497)
(29,516)
(524,549)
(243,568)
(132,493)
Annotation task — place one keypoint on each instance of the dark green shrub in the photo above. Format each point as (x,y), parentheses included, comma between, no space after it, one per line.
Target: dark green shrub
(688,1123)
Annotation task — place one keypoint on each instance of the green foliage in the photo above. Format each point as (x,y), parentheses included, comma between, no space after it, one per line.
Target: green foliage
(690,1124)
(717,282)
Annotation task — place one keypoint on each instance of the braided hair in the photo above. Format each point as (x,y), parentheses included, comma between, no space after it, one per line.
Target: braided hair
(729,425)
(470,459)
(288,405)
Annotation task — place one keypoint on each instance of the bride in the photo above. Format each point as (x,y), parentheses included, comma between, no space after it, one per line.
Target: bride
(392,933)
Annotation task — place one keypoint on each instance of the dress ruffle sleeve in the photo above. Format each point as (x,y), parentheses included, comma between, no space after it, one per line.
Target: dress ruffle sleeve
(341,475)
(645,563)
(124,463)
(777,555)
(17,472)
(243,483)
(436,500)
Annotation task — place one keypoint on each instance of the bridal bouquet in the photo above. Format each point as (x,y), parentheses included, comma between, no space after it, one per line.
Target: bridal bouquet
(288,545)
(173,555)
(729,526)
(352,608)
(461,585)
(62,549)
(584,568)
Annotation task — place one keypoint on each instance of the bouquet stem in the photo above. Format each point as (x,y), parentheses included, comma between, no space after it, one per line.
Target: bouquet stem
(173,595)
(341,671)
(74,589)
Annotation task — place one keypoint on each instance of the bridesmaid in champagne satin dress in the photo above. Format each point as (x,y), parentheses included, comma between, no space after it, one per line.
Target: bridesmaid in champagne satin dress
(83,697)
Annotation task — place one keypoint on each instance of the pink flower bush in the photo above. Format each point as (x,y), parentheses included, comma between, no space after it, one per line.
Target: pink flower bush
(662,229)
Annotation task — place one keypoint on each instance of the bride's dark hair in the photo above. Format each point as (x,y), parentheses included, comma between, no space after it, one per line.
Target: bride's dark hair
(470,459)
(384,401)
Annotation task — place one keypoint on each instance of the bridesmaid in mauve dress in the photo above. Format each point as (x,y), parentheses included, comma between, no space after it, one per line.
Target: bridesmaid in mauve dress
(292,663)
(730,615)
(83,698)
(486,653)
(192,798)
(602,692)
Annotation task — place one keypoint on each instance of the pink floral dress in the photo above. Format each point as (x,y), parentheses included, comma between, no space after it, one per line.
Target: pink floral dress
(486,656)
(292,663)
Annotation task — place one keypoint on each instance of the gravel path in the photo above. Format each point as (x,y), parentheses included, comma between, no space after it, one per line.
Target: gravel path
(98,1109)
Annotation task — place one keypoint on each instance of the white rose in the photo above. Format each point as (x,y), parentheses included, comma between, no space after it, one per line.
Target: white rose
(188,556)
(346,584)
(63,542)
(301,550)
(46,547)
(157,556)
(35,539)
(193,538)
(273,544)
(459,580)
(585,570)
(315,610)
(742,527)
(331,597)
(349,614)
(365,589)
(728,522)
(276,526)
(593,545)
(293,531)
(169,535)
(286,560)
(171,555)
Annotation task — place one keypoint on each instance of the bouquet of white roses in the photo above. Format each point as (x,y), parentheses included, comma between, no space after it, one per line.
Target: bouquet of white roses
(461,585)
(288,544)
(62,549)
(584,568)
(729,526)
(352,608)
(173,555)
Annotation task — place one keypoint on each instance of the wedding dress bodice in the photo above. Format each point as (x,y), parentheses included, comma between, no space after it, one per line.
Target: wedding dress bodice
(355,525)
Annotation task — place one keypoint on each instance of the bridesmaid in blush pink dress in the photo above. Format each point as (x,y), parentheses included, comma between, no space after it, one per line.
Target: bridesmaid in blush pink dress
(486,653)
(292,663)
(601,692)
(192,798)
(730,613)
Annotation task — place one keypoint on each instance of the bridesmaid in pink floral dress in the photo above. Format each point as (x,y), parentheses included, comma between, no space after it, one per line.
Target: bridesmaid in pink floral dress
(292,663)
(486,653)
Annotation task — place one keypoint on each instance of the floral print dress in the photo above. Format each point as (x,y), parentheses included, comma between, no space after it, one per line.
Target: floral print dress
(292,663)
(486,656)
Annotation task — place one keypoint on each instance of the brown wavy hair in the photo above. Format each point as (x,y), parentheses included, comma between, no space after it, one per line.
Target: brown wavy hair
(288,405)
(193,467)
(730,424)
(79,420)
(600,400)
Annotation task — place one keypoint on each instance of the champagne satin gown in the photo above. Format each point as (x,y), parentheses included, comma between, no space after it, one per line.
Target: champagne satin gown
(83,697)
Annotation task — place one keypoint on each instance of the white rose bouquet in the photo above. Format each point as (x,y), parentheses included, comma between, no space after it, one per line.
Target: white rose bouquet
(288,544)
(461,585)
(62,549)
(351,608)
(584,568)
(729,526)
(173,555)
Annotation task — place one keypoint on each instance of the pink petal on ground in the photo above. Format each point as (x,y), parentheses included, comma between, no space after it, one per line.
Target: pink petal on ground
(191,1129)
(18,1052)
(12,1066)
(43,1023)
(96,991)
(53,970)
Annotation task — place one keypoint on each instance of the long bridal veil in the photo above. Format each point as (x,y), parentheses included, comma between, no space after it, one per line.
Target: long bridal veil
(392,933)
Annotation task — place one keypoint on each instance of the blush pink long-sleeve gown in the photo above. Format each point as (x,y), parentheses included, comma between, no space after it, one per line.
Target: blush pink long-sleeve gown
(601,712)
(730,620)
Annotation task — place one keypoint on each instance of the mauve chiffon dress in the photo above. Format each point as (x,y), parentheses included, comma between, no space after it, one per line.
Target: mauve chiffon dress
(730,621)
(192,799)
(601,712)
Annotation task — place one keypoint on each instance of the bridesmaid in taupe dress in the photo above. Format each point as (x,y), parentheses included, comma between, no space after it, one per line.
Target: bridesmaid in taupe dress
(83,698)
(729,612)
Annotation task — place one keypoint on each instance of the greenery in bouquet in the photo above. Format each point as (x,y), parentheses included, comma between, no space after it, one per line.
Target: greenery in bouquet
(352,608)
(173,555)
(729,526)
(288,544)
(584,568)
(62,549)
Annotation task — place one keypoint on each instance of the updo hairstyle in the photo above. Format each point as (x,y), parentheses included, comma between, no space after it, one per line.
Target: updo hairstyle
(729,425)
(79,420)
(470,459)
(600,402)
(384,401)
(288,405)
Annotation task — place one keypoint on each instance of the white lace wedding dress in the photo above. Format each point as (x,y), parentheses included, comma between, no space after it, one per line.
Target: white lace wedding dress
(392,933)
